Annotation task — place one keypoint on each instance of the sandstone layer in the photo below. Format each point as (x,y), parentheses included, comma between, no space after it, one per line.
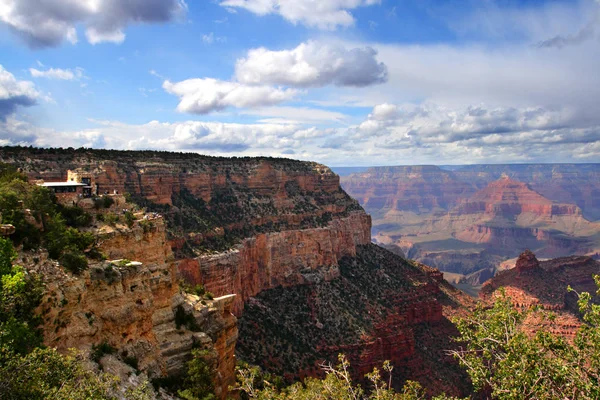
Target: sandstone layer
(275,259)
(294,248)
(236,225)
(132,306)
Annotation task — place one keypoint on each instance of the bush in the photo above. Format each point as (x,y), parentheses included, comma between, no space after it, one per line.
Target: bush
(20,294)
(46,374)
(107,201)
(337,384)
(100,350)
(198,382)
(505,361)
(74,262)
(75,216)
(129,219)
(146,225)
(111,219)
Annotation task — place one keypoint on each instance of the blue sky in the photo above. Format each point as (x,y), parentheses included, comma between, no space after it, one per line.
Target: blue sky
(343,82)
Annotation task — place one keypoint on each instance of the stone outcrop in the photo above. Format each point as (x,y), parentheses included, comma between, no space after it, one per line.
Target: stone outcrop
(410,188)
(287,240)
(133,307)
(285,258)
(236,225)
(527,262)
(544,284)
(507,197)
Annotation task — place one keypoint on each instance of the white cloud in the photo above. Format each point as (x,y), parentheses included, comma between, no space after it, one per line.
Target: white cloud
(210,38)
(322,14)
(15,93)
(312,64)
(50,22)
(430,133)
(202,96)
(57,73)
(206,137)
(384,112)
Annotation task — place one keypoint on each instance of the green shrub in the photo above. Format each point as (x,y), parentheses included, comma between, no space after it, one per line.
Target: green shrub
(74,262)
(20,294)
(111,219)
(129,219)
(100,350)
(75,216)
(146,225)
(46,374)
(107,201)
(198,384)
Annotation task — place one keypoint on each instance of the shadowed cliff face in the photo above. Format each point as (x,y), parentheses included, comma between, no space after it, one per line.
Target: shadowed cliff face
(381,307)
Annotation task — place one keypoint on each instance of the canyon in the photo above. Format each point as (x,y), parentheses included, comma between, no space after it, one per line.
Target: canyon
(465,219)
(545,285)
(282,236)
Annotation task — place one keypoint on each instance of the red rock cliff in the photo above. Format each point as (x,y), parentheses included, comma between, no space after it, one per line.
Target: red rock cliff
(285,258)
(288,222)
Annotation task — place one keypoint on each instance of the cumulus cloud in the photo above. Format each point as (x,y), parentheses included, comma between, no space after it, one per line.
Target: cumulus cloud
(49,23)
(385,111)
(15,93)
(312,64)
(57,73)
(322,14)
(431,123)
(202,96)
(205,137)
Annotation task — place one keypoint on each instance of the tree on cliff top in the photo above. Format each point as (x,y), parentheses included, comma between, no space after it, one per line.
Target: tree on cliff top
(505,361)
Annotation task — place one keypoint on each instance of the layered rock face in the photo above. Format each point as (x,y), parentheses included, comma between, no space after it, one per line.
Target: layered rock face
(509,198)
(133,307)
(482,214)
(381,307)
(275,259)
(544,284)
(577,184)
(294,248)
(237,225)
(410,188)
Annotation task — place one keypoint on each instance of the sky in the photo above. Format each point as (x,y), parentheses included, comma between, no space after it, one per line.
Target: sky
(341,82)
